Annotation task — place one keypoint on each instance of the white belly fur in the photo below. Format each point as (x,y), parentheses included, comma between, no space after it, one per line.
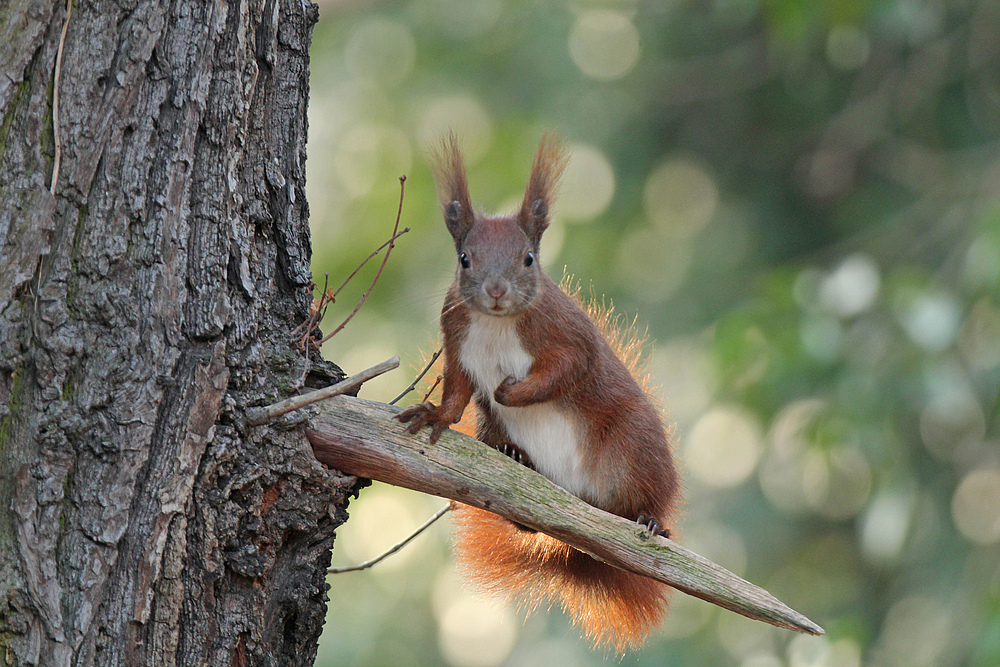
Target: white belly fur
(546,432)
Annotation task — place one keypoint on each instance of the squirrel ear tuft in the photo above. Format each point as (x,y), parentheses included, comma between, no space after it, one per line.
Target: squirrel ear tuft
(453,212)
(453,188)
(539,209)
(550,161)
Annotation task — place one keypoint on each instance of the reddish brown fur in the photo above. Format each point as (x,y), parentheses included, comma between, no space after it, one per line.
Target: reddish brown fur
(613,607)
(550,161)
(449,172)
(625,451)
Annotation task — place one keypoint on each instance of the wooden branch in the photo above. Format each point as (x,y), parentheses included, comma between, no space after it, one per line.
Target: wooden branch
(258,416)
(360,438)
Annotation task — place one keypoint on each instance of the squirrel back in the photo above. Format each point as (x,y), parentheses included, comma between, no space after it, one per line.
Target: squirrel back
(552,389)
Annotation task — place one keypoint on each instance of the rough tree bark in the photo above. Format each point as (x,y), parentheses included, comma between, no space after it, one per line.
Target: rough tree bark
(142,306)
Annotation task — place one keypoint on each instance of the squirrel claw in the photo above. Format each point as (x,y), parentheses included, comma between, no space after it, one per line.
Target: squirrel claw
(418,412)
(512,451)
(436,430)
(418,416)
(654,528)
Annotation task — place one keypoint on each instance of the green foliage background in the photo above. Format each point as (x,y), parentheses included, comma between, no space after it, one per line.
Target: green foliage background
(802,202)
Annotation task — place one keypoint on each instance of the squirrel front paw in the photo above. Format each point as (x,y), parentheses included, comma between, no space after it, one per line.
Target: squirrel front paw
(502,394)
(423,414)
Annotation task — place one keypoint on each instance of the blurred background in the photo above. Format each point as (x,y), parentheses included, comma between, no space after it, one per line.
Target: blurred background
(800,200)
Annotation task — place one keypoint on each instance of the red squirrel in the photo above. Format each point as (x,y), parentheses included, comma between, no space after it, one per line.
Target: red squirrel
(551,392)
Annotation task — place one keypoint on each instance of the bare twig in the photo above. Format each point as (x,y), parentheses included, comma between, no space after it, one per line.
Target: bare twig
(434,386)
(358,437)
(316,309)
(369,258)
(57,139)
(396,547)
(395,234)
(316,313)
(258,416)
(413,385)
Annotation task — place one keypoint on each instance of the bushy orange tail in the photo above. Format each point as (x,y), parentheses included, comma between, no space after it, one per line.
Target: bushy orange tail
(612,607)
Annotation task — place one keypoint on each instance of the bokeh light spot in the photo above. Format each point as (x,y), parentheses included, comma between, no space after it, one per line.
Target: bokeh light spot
(915,633)
(587,185)
(982,263)
(930,319)
(852,287)
(719,543)
(365,536)
(979,339)
(381,51)
(805,651)
(740,636)
(604,44)
(682,369)
(652,265)
(368,152)
(836,482)
(845,653)
(552,243)
(821,337)
(687,616)
(952,424)
(723,447)
(783,472)
(680,197)
(473,632)
(975,507)
(462,19)
(885,525)
(463,115)
(762,659)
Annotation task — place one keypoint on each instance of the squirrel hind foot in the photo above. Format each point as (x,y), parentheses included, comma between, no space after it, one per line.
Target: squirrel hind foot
(512,451)
(652,525)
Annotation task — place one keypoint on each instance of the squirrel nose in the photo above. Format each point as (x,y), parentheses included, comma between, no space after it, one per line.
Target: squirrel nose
(496,291)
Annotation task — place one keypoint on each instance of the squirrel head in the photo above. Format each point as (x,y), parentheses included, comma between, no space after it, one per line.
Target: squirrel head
(498,269)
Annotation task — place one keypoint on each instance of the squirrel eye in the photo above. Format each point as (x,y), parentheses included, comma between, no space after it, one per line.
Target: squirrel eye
(464,260)
(529,259)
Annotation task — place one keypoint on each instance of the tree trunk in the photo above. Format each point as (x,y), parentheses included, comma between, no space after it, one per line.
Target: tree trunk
(142,306)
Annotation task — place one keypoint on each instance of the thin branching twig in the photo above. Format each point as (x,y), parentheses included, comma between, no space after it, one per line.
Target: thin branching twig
(370,257)
(378,559)
(316,313)
(433,387)
(315,308)
(413,385)
(395,234)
